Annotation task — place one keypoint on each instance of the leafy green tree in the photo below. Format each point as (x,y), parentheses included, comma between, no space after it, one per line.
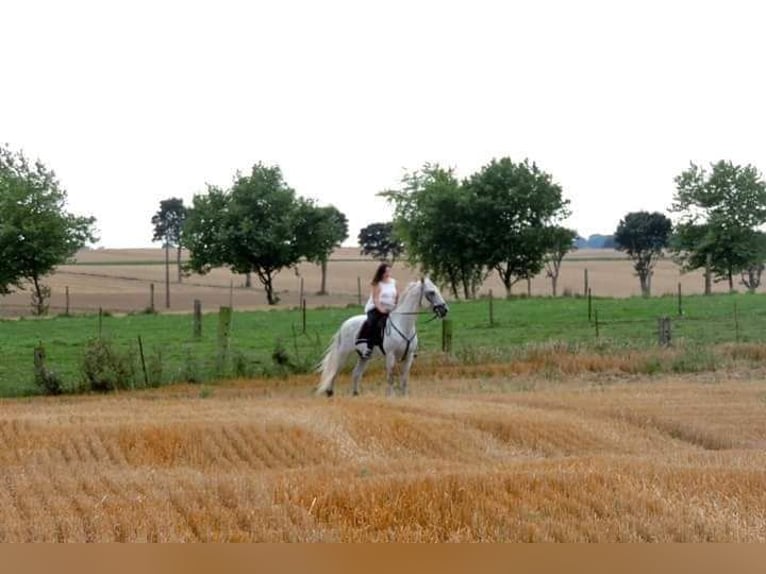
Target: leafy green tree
(254,227)
(168,226)
(380,241)
(643,236)
(37,233)
(753,270)
(514,204)
(322,229)
(719,211)
(434,215)
(558,242)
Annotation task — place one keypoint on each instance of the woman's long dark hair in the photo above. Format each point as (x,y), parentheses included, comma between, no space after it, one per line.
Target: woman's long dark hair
(379,272)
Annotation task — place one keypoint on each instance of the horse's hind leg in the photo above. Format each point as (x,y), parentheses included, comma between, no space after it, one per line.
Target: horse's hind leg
(356,375)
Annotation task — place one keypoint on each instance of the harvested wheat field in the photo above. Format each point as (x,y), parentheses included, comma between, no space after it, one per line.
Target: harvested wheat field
(119,280)
(502,458)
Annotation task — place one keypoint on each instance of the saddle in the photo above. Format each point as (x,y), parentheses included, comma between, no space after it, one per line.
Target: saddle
(373,334)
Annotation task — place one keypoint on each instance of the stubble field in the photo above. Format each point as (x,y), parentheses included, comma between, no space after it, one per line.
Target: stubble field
(490,452)
(496,458)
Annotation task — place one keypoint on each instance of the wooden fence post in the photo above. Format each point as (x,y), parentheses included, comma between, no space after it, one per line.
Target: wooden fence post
(100,321)
(303,313)
(663,331)
(197,331)
(359,289)
(143,360)
(39,358)
(590,305)
(447,335)
(151,297)
(491,310)
(66,295)
(224,332)
(300,294)
(586,288)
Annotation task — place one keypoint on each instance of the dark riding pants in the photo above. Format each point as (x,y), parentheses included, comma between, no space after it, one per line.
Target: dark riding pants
(372,329)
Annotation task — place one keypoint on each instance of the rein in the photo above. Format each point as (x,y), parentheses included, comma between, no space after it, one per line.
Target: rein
(414,331)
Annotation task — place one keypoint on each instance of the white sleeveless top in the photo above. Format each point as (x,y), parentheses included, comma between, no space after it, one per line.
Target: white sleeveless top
(387,296)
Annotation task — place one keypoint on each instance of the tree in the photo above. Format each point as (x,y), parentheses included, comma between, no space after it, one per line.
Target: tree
(643,236)
(719,212)
(558,242)
(434,214)
(753,270)
(37,233)
(380,241)
(514,204)
(255,227)
(168,226)
(322,229)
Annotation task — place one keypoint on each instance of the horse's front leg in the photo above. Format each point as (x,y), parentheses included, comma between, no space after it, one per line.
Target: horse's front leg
(356,375)
(390,365)
(405,373)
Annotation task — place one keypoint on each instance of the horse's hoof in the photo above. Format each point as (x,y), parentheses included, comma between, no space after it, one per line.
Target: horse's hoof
(329,392)
(355,393)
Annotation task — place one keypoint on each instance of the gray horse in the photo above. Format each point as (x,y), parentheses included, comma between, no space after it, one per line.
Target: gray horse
(400,342)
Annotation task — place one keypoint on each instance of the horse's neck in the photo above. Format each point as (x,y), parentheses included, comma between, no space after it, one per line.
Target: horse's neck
(405,314)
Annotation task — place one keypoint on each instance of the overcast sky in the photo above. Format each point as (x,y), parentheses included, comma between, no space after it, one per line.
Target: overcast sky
(133,102)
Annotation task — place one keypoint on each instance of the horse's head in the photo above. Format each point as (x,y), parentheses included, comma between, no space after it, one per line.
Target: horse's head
(434,297)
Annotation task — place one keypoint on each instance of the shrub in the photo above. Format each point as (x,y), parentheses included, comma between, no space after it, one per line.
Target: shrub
(50,383)
(105,369)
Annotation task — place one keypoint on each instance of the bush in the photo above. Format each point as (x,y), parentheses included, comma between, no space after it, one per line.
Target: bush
(191,371)
(50,383)
(105,369)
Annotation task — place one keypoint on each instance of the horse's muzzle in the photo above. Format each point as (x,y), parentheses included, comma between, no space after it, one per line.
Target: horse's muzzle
(441,311)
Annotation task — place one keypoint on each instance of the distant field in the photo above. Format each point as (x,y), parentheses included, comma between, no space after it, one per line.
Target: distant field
(501,458)
(119,280)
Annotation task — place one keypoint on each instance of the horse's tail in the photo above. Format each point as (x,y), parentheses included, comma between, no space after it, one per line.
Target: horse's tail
(329,364)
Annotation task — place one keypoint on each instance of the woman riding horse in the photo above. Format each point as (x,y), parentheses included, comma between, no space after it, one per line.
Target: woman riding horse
(383,298)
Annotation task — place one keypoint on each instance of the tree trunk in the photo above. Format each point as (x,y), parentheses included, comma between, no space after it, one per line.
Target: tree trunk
(178,262)
(267,280)
(268,285)
(731,280)
(708,274)
(167,275)
(248,280)
(39,303)
(643,278)
(554,283)
(323,289)
(466,288)
(505,277)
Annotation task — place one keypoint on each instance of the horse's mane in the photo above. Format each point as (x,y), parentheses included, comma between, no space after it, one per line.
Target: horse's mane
(410,286)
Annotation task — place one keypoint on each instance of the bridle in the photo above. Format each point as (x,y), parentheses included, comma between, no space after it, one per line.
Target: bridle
(429,297)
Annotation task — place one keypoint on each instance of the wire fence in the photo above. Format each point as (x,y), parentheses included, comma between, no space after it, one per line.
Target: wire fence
(211,342)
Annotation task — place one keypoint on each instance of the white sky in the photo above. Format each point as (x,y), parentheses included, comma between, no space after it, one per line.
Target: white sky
(133,102)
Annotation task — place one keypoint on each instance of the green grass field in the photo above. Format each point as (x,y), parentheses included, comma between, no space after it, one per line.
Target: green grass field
(172,354)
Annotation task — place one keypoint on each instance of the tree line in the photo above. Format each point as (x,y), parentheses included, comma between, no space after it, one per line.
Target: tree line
(504,219)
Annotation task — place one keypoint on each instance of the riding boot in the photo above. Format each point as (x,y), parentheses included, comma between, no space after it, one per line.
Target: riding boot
(363,348)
